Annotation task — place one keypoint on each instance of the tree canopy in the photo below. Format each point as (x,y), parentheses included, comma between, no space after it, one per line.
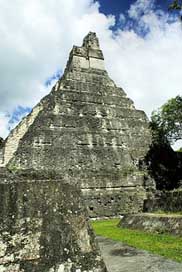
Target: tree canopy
(176,5)
(167,120)
(164,164)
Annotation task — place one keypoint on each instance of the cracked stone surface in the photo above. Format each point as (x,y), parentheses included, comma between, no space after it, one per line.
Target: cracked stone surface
(44,228)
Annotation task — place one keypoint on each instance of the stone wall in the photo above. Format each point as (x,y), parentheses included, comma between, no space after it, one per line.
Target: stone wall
(44,228)
(108,202)
(153,223)
(169,201)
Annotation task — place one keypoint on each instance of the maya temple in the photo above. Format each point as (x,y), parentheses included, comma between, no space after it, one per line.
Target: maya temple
(78,154)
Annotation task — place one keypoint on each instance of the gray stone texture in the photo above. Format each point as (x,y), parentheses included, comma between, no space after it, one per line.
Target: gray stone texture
(154,223)
(86,132)
(44,227)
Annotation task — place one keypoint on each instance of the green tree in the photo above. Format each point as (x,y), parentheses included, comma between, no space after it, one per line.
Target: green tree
(166,122)
(176,5)
(164,164)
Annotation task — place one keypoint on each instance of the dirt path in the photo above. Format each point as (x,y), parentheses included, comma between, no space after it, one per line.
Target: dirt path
(122,258)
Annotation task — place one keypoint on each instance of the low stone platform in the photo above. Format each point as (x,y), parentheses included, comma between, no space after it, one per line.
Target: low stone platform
(150,222)
(119,257)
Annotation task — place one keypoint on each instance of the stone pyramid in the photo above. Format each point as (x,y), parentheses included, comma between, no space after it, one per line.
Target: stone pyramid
(86,132)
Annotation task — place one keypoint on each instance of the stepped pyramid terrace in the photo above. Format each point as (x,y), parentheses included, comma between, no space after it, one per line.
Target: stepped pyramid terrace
(83,145)
(86,132)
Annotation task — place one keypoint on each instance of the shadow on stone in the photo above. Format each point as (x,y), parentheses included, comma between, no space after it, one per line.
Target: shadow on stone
(124,252)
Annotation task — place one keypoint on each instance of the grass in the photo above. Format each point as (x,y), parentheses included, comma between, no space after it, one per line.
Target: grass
(165,245)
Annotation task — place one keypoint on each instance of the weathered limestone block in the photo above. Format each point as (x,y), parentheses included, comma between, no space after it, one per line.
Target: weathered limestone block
(153,223)
(87,132)
(89,55)
(113,201)
(44,227)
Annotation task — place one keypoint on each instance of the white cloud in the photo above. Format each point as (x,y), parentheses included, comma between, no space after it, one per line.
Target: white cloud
(4,124)
(122,19)
(36,37)
(149,68)
(140,7)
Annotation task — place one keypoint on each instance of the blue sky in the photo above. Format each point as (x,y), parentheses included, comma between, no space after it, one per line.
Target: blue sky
(121,7)
(114,7)
(117,7)
(140,39)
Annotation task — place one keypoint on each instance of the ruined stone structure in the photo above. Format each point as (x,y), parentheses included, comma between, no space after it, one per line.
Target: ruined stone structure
(154,223)
(86,132)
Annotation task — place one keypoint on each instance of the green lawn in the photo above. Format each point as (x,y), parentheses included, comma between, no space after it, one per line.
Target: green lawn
(165,245)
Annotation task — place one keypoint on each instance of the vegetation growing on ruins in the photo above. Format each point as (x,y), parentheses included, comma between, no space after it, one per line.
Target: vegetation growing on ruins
(167,120)
(164,166)
(163,163)
(165,245)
